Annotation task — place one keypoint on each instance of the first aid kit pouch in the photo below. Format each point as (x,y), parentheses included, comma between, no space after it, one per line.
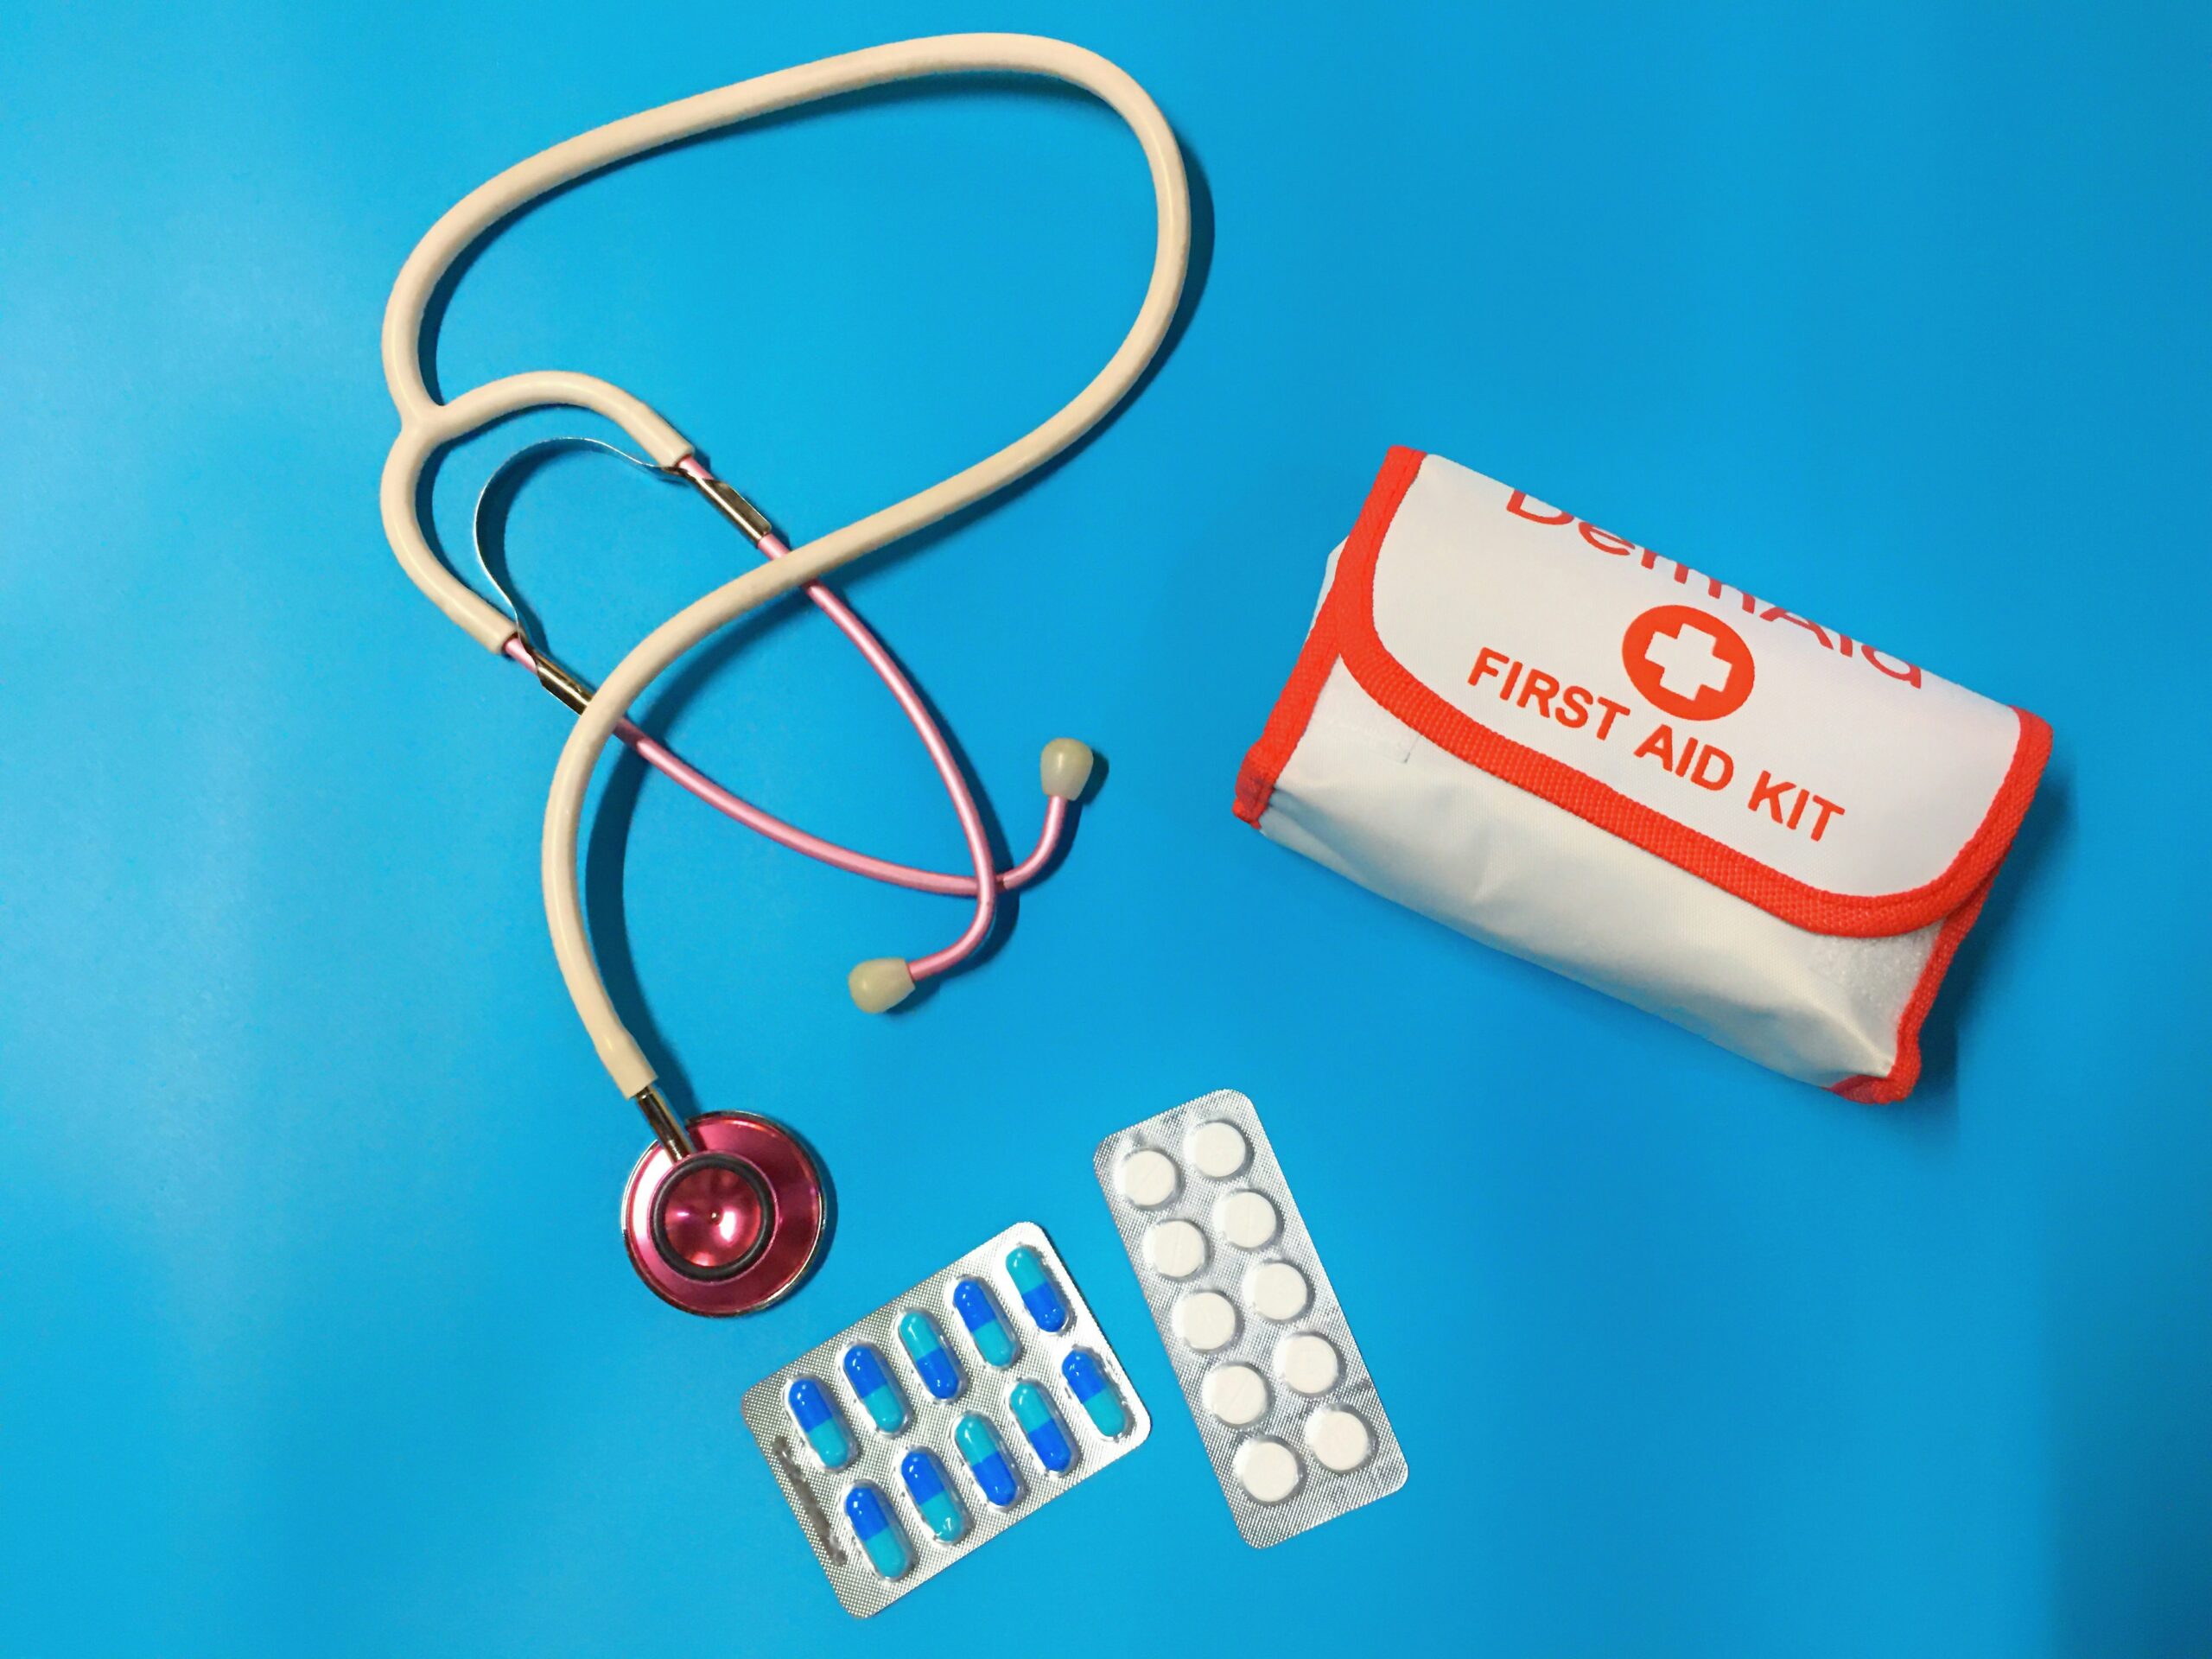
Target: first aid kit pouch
(1577,750)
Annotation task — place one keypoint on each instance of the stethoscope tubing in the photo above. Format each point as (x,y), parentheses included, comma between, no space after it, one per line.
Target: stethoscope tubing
(784,833)
(940,753)
(531,653)
(427,425)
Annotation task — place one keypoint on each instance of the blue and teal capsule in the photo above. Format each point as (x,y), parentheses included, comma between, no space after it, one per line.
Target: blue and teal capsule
(1039,1293)
(1041,1427)
(877,1530)
(817,1420)
(980,1448)
(981,1315)
(1095,1394)
(878,1394)
(940,1511)
(940,1374)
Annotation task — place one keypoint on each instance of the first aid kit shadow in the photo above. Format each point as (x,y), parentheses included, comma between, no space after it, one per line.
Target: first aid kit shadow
(2046,828)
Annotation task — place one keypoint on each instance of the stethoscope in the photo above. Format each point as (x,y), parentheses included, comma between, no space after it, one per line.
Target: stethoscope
(726,1211)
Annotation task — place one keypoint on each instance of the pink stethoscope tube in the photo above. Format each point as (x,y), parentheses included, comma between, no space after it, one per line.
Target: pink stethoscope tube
(984,886)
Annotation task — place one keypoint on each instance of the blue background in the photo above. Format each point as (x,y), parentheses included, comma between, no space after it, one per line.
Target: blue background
(315,1334)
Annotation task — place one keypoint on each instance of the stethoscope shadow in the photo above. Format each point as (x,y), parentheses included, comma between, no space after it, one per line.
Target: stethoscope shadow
(607,847)
(607,843)
(832,1212)
(608,838)
(986,86)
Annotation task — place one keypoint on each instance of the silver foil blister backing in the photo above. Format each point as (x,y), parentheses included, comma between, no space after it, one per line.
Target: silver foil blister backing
(1321,1494)
(816,1495)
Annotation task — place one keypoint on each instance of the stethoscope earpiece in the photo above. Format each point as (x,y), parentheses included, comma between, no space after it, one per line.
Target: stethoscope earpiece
(881,983)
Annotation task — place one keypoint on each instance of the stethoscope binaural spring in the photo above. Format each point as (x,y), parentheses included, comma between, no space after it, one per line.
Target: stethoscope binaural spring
(726,1211)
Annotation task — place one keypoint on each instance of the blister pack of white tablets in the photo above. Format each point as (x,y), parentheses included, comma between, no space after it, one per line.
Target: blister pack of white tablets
(931,1426)
(1289,1415)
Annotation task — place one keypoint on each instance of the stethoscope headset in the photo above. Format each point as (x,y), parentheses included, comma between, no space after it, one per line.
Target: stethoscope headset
(725,1212)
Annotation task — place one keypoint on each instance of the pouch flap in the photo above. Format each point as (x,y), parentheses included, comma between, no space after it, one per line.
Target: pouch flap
(1831,784)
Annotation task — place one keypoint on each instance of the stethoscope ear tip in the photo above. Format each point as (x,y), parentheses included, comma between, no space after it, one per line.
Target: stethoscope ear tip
(1065,767)
(880,984)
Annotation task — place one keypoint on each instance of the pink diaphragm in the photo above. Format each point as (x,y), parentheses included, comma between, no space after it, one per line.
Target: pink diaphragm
(732,1228)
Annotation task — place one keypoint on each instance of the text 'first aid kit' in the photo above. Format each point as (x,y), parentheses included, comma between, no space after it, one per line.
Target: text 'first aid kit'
(1597,758)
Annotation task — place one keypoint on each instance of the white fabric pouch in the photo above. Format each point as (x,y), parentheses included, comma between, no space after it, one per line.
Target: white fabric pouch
(1577,750)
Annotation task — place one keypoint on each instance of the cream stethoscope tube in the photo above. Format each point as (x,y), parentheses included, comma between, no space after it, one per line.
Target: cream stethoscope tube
(427,425)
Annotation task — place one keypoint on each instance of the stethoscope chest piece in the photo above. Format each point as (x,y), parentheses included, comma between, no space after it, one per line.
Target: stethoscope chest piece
(733,1226)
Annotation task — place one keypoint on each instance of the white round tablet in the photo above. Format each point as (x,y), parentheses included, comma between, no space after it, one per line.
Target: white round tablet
(1267,1469)
(1175,1249)
(1277,1291)
(1205,1320)
(1148,1178)
(1246,1220)
(1339,1440)
(1308,1363)
(1216,1150)
(1236,1395)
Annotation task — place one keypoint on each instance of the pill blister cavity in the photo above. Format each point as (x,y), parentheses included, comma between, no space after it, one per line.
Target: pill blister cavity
(816,1413)
(941,1515)
(1235,1395)
(871,1383)
(979,1314)
(1339,1440)
(939,1371)
(1247,1219)
(1040,1297)
(1217,1150)
(1087,1381)
(876,1531)
(1205,1320)
(1267,1469)
(1308,1363)
(1041,1427)
(1148,1178)
(1175,1249)
(1277,1291)
(979,1449)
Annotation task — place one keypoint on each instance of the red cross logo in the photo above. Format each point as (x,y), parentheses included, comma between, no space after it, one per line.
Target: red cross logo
(1687,663)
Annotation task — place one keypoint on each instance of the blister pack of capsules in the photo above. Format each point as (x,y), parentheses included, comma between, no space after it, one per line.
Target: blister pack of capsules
(928,1427)
(1284,1403)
